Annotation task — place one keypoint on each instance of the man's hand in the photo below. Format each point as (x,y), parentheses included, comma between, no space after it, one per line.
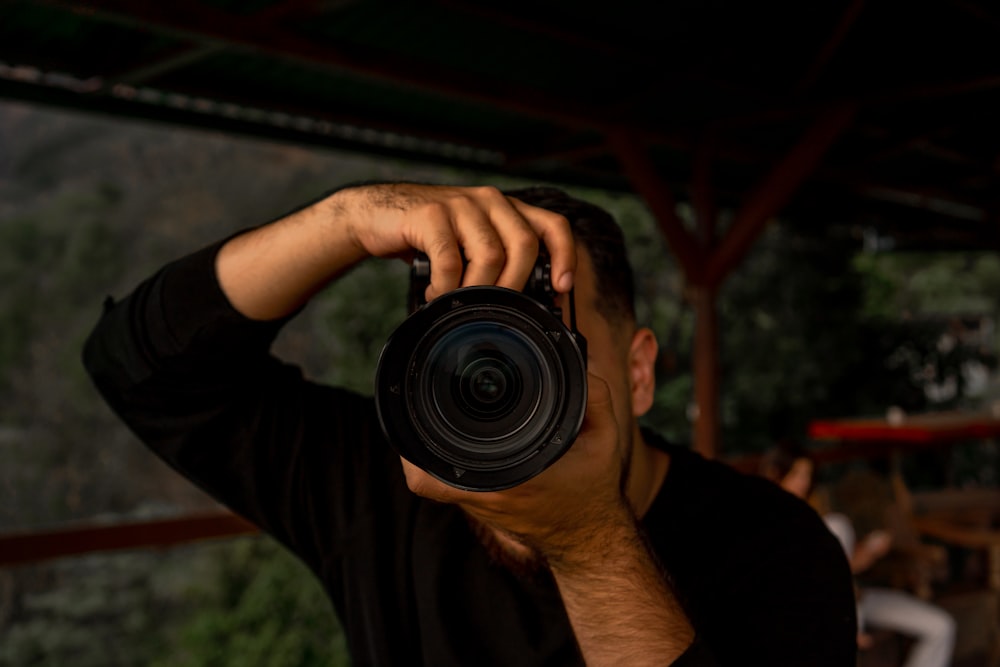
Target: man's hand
(498,235)
(568,510)
(271,271)
(576,516)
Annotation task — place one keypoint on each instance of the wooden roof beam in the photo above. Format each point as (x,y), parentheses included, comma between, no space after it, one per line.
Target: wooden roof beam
(572,154)
(642,174)
(569,38)
(978,12)
(195,21)
(929,90)
(776,189)
(279,11)
(826,53)
(177,59)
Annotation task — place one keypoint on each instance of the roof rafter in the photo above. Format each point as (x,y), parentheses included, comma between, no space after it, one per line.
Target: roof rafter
(826,53)
(176,59)
(198,22)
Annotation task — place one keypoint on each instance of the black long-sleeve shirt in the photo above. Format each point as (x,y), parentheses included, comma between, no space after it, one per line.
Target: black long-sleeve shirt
(762,580)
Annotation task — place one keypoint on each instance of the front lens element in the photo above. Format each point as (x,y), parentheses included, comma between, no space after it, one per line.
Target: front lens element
(483,384)
(488,387)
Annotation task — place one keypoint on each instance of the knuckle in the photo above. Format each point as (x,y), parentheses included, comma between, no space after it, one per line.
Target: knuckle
(447,259)
(436,210)
(526,243)
(488,192)
(559,222)
(491,255)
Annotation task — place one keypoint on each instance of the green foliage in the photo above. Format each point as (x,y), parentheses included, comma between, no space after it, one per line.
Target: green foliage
(811,328)
(105,612)
(920,283)
(669,415)
(48,268)
(351,323)
(788,334)
(259,607)
(808,328)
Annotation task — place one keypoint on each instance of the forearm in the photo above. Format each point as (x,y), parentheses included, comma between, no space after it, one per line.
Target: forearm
(269,272)
(620,604)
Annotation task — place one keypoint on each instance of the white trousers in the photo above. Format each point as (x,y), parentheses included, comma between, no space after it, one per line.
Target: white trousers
(931,626)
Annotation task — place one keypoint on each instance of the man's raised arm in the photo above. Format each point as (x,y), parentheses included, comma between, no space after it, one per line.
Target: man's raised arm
(271,271)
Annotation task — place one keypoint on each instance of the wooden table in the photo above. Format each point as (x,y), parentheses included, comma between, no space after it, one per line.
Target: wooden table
(878,436)
(967,518)
(930,427)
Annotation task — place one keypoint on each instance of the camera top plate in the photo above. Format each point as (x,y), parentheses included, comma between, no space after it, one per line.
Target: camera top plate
(538,286)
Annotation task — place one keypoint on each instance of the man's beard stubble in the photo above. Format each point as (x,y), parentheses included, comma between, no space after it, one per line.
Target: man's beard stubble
(529,564)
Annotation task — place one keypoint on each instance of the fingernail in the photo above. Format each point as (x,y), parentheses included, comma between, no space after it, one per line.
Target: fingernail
(565,282)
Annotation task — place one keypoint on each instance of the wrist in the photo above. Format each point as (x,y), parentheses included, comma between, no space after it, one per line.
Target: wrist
(343,211)
(592,545)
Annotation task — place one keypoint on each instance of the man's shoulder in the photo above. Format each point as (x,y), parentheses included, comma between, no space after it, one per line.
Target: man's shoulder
(714,482)
(717,502)
(739,538)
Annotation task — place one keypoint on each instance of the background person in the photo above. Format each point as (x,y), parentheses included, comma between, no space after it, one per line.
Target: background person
(932,627)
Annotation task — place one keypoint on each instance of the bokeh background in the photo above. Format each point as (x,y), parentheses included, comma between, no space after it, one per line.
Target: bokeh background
(813,325)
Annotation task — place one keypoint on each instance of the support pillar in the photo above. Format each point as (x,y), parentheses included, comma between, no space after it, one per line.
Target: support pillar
(706,260)
(706,370)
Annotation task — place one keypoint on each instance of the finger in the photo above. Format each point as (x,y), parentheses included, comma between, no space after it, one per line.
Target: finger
(439,242)
(424,485)
(481,243)
(520,242)
(554,230)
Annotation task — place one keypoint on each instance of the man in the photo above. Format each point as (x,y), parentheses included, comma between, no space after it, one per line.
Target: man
(626,551)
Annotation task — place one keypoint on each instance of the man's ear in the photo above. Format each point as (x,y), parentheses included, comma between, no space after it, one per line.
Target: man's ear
(642,370)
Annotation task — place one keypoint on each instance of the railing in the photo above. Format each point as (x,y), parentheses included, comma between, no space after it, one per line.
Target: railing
(32,547)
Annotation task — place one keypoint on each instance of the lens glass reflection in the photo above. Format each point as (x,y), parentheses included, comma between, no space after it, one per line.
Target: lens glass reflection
(484,382)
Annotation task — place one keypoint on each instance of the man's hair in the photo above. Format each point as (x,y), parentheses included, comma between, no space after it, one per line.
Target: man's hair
(601,236)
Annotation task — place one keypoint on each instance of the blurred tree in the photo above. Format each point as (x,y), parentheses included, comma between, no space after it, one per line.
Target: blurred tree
(258,607)
(809,327)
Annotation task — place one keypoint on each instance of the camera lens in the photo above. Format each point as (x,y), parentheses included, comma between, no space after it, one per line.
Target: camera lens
(482,383)
(482,388)
(487,386)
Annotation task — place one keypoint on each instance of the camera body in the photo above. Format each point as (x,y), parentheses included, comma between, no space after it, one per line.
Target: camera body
(483,387)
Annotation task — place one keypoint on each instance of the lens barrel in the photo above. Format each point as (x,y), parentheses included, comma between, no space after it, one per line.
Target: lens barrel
(483,388)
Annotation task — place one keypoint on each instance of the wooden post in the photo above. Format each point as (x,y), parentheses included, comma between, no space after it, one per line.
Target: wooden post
(691,252)
(702,297)
(706,370)
(706,262)
(648,185)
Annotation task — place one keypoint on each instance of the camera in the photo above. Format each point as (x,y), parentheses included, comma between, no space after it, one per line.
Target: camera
(484,387)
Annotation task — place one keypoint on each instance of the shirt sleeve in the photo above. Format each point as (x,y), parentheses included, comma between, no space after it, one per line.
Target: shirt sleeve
(194,379)
(697,654)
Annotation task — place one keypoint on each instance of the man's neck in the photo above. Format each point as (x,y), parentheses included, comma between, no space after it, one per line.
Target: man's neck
(647,470)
